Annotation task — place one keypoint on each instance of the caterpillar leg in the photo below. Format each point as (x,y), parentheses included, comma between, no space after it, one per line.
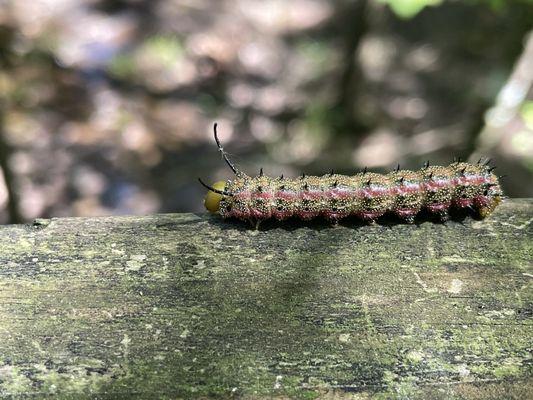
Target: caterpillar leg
(443,216)
(409,219)
(334,222)
(484,212)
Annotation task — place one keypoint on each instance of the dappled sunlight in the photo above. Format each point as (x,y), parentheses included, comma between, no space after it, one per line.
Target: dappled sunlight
(109,106)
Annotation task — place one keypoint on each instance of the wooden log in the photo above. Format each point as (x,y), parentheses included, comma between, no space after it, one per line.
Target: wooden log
(190,306)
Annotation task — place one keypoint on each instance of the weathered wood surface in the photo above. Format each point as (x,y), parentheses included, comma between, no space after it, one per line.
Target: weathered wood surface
(187,306)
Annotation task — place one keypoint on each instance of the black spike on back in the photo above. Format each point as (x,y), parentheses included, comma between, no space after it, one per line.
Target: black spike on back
(398,168)
(426,164)
(261,171)
(400,181)
(463,171)
(235,170)
(335,184)
(303,176)
(490,169)
(487,161)
(365,170)
(222,192)
(479,161)
(281,177)
(430,175)
(368,182)
(331,172)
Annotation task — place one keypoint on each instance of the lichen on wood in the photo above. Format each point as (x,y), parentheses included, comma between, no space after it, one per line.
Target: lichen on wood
(187,306)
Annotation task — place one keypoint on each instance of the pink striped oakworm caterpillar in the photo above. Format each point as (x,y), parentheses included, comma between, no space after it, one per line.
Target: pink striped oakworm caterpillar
(432,190)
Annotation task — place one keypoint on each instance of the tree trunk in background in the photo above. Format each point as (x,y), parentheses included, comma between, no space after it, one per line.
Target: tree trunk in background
(9,178)
(506,132)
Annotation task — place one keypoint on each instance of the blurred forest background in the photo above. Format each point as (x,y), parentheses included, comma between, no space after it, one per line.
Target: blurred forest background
(106,107)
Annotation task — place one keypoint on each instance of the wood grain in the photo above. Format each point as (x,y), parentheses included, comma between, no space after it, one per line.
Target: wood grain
(190,306)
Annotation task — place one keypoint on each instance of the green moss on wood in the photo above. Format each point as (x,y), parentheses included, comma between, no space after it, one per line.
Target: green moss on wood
(187,306)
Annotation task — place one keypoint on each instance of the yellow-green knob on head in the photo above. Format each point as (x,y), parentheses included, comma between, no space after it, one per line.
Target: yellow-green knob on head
(212,199)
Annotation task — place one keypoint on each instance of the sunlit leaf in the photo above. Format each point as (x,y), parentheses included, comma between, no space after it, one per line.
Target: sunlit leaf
(526,113)
(409,8)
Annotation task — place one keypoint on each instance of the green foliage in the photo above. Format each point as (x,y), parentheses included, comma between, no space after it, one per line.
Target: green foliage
(164,49)
(123,66)
(500,5)
(409,8)
(156,51)
(526,112)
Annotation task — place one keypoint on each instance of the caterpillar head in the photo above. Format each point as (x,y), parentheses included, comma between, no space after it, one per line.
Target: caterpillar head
(489,197)
(485,194)
(219,190)
(213,198)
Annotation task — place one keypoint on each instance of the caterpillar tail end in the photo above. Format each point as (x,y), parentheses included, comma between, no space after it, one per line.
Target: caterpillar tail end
(485,210)
(212,199)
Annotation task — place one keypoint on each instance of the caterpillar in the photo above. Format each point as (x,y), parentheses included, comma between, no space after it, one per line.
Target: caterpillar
(436,190)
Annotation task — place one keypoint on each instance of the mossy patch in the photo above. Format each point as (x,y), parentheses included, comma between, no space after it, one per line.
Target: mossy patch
(185,306)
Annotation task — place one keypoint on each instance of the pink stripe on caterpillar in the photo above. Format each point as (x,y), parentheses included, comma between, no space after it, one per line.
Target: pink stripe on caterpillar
(406,212)
(462,203)
(369,215)
(261,195)
(339,193)
(375,191)
(438,184)
(286,195)
(282,215)
(244,195)
(408,189)
(438,207)
(260,214)
(311,195)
